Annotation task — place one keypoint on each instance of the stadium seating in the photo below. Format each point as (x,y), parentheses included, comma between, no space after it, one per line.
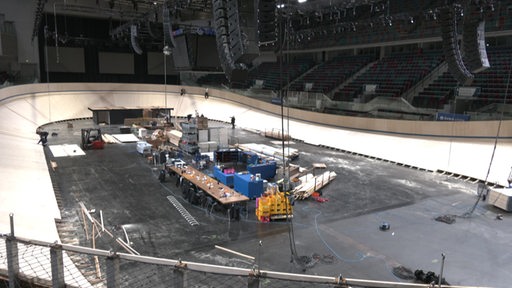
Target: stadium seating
(327,76)
(492,82)
(270,72)
(438,93)
(393,75)
(213,80)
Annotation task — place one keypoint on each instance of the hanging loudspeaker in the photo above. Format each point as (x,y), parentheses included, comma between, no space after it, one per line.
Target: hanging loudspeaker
(168,27)
(134,36)
(474,48)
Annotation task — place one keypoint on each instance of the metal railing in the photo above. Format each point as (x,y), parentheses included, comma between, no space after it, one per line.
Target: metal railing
(34,263)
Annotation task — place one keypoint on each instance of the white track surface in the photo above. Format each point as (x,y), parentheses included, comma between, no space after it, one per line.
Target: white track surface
(27,192)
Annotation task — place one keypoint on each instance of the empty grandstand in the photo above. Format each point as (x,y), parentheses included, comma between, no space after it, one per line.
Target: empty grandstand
(406,102)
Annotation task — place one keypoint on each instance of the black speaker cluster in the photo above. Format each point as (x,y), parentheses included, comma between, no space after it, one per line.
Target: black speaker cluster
(134,37)
(451,47)
(235,38)
(167,27)
(221,22)
(473,36)
(473,57)
(267,24)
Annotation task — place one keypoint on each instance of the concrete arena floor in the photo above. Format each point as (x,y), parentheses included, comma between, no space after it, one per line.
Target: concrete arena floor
(343,231)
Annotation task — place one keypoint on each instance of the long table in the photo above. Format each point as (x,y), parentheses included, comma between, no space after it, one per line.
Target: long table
(209,185)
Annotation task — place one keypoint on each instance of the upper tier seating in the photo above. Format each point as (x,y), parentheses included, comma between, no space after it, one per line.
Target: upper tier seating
(393,75)
(492,83)
(213,80)
(437,93)
(327,76)
(270,73)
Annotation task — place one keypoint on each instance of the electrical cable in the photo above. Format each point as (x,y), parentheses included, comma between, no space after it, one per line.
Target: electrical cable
(56,34)
(479,196)
(360,255)
(284,41)
(46,39)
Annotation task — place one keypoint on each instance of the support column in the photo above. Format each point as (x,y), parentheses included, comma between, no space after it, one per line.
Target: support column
(253,282)
(13,264)
(57,263)
(180,276)
(113,280)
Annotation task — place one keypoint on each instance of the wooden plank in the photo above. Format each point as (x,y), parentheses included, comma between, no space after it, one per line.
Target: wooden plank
(209,185)
(501,198)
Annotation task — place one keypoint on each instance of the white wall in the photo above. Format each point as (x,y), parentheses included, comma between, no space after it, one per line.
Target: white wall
(464,150)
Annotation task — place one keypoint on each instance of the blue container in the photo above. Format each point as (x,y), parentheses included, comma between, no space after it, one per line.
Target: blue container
(250,188)
(226,179)
(267,170)
(250,157)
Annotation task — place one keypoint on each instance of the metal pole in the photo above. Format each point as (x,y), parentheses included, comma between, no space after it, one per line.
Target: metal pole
(113,272)
(442,267)
(259,255)
(165,77)
(13,266)
(47,71)
(11,220)
(57,265)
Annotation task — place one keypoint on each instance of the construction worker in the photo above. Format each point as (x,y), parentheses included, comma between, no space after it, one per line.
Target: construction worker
(161,176)
(43,137)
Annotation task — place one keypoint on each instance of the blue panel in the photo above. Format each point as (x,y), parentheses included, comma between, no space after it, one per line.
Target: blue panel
(226,179)
(245,186)
(267,170)
(250,157)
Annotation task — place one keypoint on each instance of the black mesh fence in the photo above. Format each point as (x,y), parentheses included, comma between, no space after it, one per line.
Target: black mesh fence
(32,263)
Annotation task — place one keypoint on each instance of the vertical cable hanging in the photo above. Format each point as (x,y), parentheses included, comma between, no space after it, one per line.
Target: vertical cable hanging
(482,193)
(285,43)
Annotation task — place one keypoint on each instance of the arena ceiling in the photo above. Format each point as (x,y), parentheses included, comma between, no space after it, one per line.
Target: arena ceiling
(187,12)
(198,13)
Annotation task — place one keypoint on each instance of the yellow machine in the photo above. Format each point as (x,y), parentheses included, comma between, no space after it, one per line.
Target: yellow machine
(273,205)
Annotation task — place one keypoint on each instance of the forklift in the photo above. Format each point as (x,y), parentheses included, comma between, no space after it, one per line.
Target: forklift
(91,139)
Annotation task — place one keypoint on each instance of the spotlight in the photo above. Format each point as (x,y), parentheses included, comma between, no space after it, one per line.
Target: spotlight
(167,51)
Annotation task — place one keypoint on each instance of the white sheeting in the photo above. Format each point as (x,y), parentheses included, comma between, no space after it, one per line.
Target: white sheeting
(66,150)
(126,138)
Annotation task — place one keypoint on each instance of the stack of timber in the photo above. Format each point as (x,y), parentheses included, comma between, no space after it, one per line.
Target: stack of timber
(202,122)
(174,137)
(310,184)
(501,198)
(291,171)
(107,138)
(277,134)
(266,151)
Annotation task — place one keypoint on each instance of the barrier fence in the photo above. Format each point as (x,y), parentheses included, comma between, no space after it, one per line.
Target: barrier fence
(33,263)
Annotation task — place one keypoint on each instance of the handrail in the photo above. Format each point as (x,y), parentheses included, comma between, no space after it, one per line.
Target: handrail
(225,270)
